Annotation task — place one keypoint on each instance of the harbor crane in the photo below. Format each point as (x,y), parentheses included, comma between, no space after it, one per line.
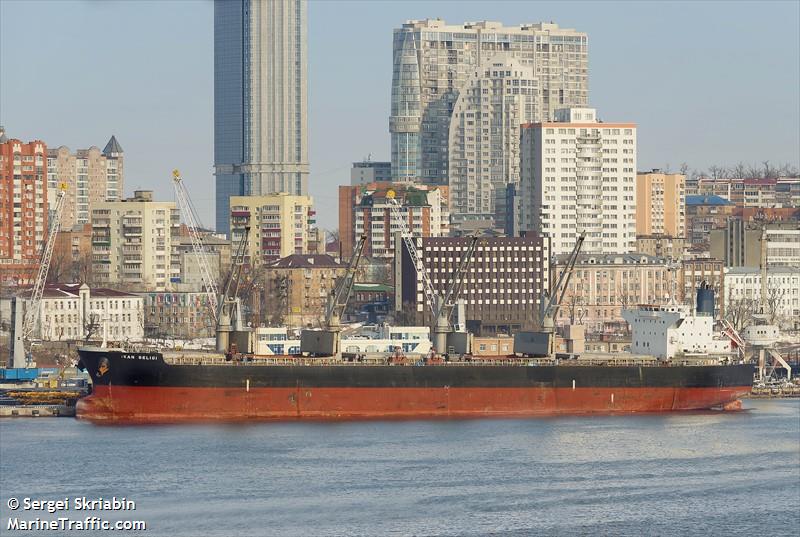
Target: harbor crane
(21,356)
(229,314)
(327,341)
(542,342)
(441,306)
(192,222)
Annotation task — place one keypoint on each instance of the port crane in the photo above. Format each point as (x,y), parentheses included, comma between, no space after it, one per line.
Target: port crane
(21,356)
(542,342)
(327,341)
(441,306)
(192,222)
(229,310)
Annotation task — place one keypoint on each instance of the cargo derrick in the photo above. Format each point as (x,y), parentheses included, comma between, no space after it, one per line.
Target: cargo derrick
(229,311)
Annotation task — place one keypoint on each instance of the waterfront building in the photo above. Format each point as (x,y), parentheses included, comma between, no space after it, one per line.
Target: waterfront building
(368,171)
(660,203)
(72,255)
(217,253)
(260,100)
(90,175)
(177,314)
(279,225)
(432,62)
(132,242)
(297,288)
(502,286)
(738,243)
(23,208)
(743,289)
(367,210)
(603,285)
(579,175)
(74,311)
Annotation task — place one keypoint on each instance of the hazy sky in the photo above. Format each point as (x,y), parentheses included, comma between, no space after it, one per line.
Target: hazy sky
(707,82)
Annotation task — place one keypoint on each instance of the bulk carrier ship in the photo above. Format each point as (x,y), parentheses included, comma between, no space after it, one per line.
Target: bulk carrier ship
(678,361)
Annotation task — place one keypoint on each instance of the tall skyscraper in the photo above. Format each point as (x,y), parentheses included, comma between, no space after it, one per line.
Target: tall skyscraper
(579,174)
(260,100)
(432,63)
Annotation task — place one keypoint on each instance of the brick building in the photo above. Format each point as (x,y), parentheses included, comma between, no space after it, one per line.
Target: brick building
(23,208)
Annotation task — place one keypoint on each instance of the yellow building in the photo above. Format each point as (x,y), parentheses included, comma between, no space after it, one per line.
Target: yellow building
(660,204)
(279,225)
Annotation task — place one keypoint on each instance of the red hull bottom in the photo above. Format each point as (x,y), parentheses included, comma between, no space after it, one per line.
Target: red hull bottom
(161,404)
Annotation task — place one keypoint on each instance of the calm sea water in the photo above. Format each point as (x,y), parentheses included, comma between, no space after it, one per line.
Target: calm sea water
(680,474)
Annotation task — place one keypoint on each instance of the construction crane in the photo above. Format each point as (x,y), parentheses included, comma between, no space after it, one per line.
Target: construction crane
(444,307)
(192,222)
(229,311)
(21,356)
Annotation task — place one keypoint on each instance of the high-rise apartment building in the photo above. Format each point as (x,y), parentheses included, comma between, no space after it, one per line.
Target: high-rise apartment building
(277,225)
(260,100)
(23,207)
(90,175)
(660,204)
(132,242)
(483,144)
(367,210)
(368,171)
(432,61)
(579,174)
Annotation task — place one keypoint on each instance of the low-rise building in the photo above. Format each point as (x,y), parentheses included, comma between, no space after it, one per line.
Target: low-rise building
(743,293)
(695,271)
(501,288)
(703,214)
(297,288)
(738,243)
(184,315)
(603,285)
(77,312)
(661,245)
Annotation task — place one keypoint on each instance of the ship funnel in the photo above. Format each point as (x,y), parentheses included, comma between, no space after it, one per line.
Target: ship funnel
(705,299)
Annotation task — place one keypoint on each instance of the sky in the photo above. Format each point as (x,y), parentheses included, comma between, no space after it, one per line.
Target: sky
(707,82)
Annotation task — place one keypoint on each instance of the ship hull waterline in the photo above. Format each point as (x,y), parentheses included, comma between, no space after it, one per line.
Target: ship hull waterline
(142,388)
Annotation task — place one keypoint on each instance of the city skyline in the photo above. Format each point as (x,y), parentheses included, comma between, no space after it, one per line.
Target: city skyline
(161,102)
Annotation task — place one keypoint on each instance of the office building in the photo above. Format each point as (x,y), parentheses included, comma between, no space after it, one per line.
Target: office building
(132,242)
(90,175)
(743,292)
(279,225)
(23,208)
(432,62)
(738,243)
(660,204)
(502,286)
(579,175)
(260,100)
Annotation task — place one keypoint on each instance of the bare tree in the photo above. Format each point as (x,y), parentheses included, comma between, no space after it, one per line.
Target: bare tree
(738,170)
(91,326)
(684,169)
(739,311)
(717,172)
(573,307)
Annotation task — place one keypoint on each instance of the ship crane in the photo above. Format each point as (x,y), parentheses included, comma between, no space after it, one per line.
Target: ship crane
(327,341)
(229,310)
(21,356)
(192,222)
